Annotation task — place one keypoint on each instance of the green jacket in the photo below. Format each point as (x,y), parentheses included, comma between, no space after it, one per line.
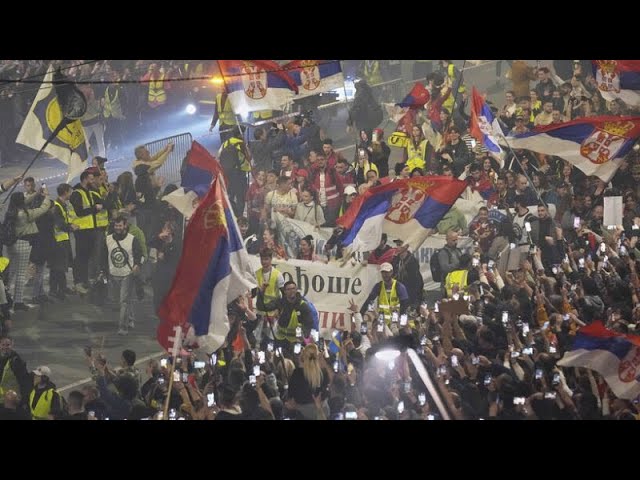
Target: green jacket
(454,219)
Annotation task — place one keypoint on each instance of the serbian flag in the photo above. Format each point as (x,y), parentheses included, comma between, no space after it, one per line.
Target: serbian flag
(315,76)
(595,145)
(214,270)
(198,170)
(615,356)
(618,79)
(407,209)
(484,127)
(418,97)
(257,85)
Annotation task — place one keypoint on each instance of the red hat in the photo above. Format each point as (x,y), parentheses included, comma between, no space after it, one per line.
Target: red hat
(302,173)
(379,132)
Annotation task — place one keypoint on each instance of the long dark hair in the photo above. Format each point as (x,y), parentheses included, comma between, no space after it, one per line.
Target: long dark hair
(16,203)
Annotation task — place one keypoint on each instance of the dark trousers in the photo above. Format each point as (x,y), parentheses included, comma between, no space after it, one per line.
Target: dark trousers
(237,190)
(85,248)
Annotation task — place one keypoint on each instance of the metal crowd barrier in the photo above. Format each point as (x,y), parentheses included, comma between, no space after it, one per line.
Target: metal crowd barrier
(171,168)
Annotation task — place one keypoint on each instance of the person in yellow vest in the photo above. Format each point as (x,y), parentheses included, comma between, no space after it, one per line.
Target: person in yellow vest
(236,162)
(113,114)
(99,193)
(13,370)
(270,284)
(157,95)
(85,208)
(415,151)
(390,294)
(454,79)
(295,319)
(223,114)
(62,228)
(44,401)
(458,280)
(371,72)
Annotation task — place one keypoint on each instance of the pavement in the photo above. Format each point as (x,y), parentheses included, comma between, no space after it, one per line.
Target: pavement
(55,334)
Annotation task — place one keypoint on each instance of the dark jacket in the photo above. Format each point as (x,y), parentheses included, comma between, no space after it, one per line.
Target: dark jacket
(408,273)
(300,390)
(286,308)
(23,377)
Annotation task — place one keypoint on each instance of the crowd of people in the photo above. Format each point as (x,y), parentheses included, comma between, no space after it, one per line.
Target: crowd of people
(542,264)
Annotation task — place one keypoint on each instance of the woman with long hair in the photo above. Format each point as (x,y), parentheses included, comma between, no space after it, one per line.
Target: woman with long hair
(308,210)
(307,250)
(127,193)
(26,231)
(362,165)
(309,381)
(415,152)
(269,240)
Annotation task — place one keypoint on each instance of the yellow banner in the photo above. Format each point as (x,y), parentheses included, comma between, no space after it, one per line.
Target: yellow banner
(398,139)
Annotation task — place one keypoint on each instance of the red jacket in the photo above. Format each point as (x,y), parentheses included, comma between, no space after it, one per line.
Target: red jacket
(333,186)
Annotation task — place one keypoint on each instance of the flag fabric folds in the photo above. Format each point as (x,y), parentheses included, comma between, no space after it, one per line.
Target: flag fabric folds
(407,209)
(45,115)
(257,85)
(315,76)
(213,271)
(198,170)
(618,79)
(615,356)
(484,127)
(418,97)
(595,145)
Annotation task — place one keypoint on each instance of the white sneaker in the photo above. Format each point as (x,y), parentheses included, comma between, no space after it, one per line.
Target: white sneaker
(80,289)
(131,324)
(122,331)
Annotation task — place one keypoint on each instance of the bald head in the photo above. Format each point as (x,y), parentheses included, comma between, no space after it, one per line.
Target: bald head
(452,238)
(521,182)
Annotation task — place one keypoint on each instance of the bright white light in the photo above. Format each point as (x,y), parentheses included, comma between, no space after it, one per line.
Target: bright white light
(388,355)
(191,109)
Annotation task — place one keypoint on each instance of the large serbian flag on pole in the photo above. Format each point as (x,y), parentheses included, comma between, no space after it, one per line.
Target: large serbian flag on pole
(408,209)
(615,356)
(214,270)
(484,127)
(618,79)
(315,76)
(257,85)
(595,145)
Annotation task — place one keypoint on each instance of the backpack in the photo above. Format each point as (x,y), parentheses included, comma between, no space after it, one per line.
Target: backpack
(314,314)
(8,235)
(434,264)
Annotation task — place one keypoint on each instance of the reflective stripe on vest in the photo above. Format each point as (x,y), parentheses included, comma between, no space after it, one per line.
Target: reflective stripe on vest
(226,116)
(244,166)
(102,217)
(43,406)
(372,72)
(263,114)
(86,222)
(272,292)
(289,332)
(415,156)
(157,95)
(61,235)
(387,305)
(457,277)
(8,381)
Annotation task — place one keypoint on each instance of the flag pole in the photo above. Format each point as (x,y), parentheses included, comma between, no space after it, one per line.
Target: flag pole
(63,123)
(522,169)
(455,97)
(346,104)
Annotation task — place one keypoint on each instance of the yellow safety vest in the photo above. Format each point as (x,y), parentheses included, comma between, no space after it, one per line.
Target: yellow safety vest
(61,235)
(245,166)
(448,103)
(263,114)
(457,277)
(372,72)
(43,407)
(388,305)
(102,217)
(289,332)
(225,113)
(157,95)
(112,106)
(415,156)
(4,263)
(8,381)
(86,222)
(272,292)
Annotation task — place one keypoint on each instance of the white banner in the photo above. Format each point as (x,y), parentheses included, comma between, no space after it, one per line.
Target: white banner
(329,287)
